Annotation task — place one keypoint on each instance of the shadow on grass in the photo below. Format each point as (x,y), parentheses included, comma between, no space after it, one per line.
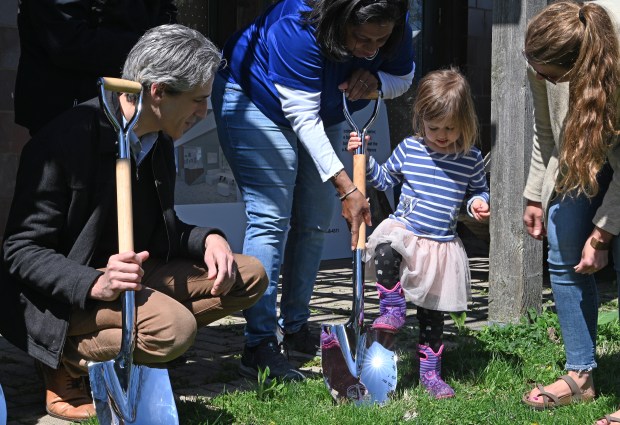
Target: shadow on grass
(464,358)
(607,376)
(209,415)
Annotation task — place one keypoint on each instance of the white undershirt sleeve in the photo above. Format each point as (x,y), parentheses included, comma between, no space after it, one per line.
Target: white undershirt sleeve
(394,85)
(301,109)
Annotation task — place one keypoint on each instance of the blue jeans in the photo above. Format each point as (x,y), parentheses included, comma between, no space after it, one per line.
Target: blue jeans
(576,298)
(280,187)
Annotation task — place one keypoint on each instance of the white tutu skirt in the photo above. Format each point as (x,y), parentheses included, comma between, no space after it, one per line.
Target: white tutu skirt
(434,275)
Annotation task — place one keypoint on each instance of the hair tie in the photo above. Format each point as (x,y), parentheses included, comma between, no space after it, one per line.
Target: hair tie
(582,17)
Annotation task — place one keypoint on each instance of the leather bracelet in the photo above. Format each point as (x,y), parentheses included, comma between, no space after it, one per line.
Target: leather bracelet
(599,245)
(343,197)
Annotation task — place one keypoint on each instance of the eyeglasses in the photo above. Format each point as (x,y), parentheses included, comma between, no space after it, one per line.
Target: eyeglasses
(552,80)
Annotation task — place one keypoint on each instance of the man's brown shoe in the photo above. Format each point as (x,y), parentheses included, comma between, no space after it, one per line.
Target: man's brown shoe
(66,398)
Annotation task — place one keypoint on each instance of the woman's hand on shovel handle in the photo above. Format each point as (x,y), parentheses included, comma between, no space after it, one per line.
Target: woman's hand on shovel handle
(355,207)
(123,273)
(356,210)
(220,263)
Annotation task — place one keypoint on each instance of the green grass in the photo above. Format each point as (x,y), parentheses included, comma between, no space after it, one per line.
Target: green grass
(490,370)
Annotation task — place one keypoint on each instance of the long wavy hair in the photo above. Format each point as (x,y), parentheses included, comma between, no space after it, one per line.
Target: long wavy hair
(446,94)
(580,37)
(331,18)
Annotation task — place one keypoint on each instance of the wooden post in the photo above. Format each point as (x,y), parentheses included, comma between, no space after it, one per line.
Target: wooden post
(515,259)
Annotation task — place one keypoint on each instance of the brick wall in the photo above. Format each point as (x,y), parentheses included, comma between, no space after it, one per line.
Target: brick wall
(12,136)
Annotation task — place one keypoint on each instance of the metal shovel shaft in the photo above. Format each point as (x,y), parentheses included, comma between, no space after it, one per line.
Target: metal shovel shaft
(124,393)
(357,368)
(359,180)
(376,365)
(124,360)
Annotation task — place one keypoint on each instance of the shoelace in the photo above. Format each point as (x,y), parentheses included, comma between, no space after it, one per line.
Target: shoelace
(279,359)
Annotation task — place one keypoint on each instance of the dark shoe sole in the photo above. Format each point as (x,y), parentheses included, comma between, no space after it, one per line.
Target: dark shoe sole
(248,371)
(385,328)
(68,418)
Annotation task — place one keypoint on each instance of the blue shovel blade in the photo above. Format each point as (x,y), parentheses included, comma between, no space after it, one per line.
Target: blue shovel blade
(2,408)
(148,400)
(378,372)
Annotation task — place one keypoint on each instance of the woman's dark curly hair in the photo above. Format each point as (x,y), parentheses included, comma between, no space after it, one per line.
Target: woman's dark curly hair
(331,18)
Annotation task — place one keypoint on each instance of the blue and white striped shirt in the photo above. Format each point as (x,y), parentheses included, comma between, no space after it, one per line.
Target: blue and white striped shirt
(435,185)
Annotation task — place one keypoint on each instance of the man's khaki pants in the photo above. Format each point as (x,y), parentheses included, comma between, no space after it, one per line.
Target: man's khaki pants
(175,301)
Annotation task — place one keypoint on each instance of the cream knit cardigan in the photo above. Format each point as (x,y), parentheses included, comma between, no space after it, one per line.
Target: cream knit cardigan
(550,108)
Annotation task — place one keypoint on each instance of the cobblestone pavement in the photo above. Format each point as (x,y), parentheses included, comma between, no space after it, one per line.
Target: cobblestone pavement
(210,366)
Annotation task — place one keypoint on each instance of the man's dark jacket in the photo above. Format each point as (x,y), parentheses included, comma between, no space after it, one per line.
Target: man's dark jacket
(67,44)
(63,221)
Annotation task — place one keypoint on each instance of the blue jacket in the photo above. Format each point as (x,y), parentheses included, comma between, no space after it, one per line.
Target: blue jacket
(278,48)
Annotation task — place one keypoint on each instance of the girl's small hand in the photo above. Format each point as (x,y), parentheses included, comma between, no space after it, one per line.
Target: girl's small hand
(480,210)
(355,141)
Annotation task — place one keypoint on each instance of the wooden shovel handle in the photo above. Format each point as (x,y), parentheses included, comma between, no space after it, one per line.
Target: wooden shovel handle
(359,180)
(124,205)
(121,86)
(123,173)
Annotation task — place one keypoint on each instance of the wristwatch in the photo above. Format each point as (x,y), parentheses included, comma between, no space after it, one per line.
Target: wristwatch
(599,245)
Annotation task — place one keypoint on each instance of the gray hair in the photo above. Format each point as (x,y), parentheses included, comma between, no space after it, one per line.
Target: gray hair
(174,55)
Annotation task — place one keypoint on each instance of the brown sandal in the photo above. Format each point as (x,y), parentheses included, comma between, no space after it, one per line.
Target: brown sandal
(551,401)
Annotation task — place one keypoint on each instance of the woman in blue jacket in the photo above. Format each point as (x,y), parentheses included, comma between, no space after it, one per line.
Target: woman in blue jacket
(278,108)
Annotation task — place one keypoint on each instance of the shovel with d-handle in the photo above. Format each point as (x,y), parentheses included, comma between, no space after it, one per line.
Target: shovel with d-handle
(358,364)
(125,393)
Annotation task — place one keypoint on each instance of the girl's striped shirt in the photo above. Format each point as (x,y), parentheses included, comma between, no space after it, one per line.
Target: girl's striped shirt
(435,185)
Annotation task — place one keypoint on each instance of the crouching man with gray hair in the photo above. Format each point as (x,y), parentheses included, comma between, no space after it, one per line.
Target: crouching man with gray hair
(61,275)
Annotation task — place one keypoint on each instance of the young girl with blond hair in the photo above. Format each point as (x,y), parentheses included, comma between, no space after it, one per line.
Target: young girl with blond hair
(416,252)
(573,198)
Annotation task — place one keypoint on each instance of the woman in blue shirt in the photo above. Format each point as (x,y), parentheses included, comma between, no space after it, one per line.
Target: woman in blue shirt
(278,109)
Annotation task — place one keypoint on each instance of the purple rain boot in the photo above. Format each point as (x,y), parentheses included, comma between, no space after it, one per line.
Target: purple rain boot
(430,372)
(392,309)
(328,340)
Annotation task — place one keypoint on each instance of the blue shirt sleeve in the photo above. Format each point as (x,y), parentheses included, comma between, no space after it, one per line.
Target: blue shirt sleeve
(295,60)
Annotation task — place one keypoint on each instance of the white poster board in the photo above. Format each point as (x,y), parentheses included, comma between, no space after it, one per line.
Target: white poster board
(206,193)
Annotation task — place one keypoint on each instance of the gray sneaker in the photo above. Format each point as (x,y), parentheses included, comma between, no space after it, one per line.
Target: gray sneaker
(267,354)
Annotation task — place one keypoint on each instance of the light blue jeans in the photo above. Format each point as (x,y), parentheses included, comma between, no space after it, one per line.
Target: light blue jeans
(576,297)
(280,187)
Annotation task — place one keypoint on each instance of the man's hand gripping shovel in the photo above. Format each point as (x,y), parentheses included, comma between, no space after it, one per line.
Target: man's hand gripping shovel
(356,365)
(125,393)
